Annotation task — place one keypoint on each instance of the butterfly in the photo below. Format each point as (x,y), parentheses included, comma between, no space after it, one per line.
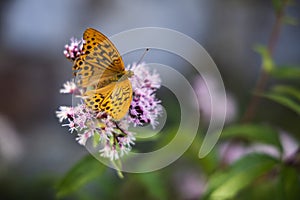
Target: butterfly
(101,73)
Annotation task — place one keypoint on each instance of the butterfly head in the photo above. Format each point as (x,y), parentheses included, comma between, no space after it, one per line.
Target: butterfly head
(129,73)
(124,75)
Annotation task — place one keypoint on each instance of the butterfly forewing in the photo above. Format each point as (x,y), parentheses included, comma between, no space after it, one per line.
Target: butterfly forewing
(100,61)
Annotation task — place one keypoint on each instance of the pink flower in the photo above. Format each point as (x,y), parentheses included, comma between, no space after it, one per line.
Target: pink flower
(64,112)
(145,107)
(204,99)
(235,151)
(74,49)
(69,88)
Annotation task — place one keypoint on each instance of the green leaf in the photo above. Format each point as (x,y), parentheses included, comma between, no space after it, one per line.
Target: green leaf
(267,61)
(277,4)
(290,20)
(287,90)
(286,72)
(290,183)
(285,95)
(118,166)
(283,100)
(254,132)
(84,171)
(227,184)
(154,184)
(267,189)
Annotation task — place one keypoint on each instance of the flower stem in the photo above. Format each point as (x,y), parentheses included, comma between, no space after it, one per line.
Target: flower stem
(261,82)
(118,167)
(264,76)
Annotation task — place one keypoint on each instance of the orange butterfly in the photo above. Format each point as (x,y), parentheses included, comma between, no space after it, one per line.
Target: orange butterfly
(101,72)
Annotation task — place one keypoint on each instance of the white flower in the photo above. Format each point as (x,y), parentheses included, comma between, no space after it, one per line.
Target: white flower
(127,140)
(64,113)
(143,77)
(82,138)
(109,152)
(87,123)
(124,150)
(69,88)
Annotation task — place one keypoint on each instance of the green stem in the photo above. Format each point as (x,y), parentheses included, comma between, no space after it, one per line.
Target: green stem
(118,167)
(264,76)
(262,81)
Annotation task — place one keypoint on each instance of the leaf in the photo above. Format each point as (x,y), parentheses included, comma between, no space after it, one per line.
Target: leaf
(283,184)
(84,171)
(267,61)
(290,183)
(287,90)
(285,95)
(283,100)
(254,132)
(290,20)
(277,4)
(154,184)
(267,189)
(227,184)
(286,72)
(118,166)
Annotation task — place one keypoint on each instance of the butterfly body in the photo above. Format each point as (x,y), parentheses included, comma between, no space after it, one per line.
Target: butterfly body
(101,73)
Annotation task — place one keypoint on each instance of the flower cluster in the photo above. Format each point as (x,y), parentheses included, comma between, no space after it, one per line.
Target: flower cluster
(145,107)
(112,136)
(73,50)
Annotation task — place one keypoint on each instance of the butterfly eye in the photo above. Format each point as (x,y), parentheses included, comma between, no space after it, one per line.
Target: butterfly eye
(119,76)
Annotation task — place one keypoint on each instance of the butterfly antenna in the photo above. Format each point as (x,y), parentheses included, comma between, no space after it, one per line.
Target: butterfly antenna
(146,50)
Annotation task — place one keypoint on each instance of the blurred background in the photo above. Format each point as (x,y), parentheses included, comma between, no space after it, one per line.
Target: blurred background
(35,151)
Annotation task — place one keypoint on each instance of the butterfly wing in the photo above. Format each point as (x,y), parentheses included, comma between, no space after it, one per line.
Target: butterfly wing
(114,98)
(117,104)
(98,70)
(100,62)
(94,98)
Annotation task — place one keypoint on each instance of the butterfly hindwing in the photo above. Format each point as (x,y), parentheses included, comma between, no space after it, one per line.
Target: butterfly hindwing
(118,102)
(94,98)
(114,98)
